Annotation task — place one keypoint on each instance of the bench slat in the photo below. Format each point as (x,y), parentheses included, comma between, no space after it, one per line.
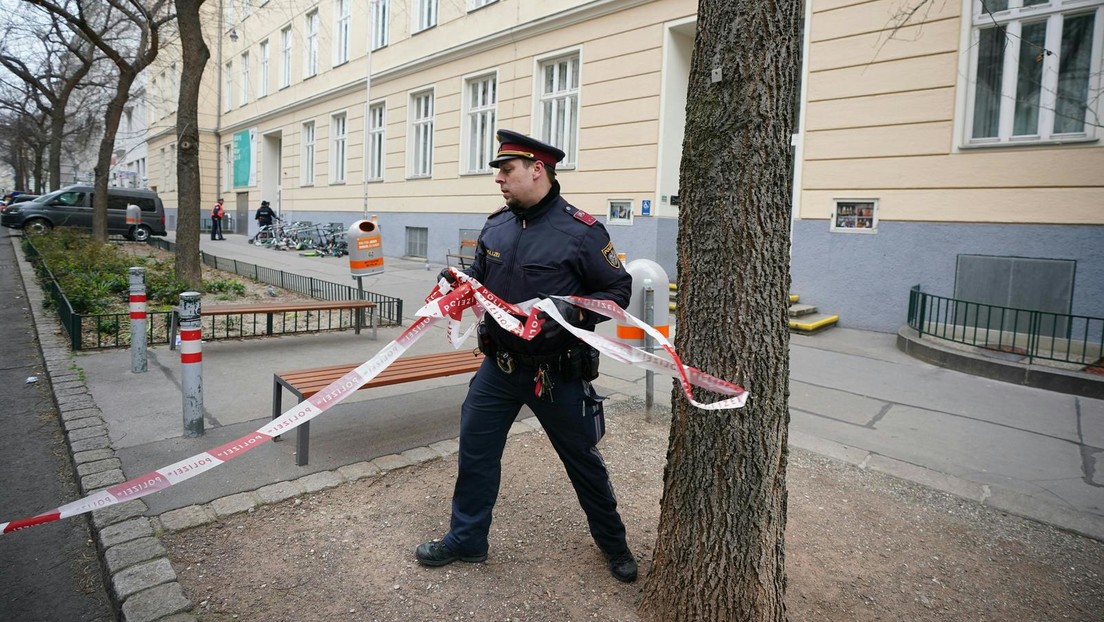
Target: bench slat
(285,307)
(307,382)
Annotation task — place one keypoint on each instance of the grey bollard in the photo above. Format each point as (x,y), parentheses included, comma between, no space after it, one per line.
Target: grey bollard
(139,358)
(649,346)
(191,363)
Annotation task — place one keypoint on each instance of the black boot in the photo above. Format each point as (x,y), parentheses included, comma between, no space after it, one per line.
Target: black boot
(435,553)
(623,567)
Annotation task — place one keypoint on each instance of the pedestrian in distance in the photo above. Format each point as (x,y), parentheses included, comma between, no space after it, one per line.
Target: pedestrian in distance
(217,213)
(265,215)
(536,245)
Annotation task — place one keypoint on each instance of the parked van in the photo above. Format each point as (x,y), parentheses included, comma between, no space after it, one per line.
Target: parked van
(72,207)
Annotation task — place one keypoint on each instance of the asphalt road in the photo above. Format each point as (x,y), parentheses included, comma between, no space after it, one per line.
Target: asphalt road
(51,572)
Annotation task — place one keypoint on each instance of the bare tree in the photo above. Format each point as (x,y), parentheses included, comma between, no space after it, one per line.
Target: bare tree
(23,135)
(66,59)
(719,551)
(195,56)
(128,33)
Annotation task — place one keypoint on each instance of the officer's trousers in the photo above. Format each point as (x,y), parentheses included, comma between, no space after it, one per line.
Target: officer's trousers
(574,423)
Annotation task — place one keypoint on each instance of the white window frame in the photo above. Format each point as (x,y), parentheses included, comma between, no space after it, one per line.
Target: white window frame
(854,216)
(170,182)
(424,14)
(339,143)
(1052,13)
(342,30)
(285,57)
(262,79)
(227,166)
(480,122)
(619,212)
(381,23)
(164,169)
(244,98)
(377,141)
(479,4)
(420,132)
(310,53)
(307,154)
(559,132)
(228,87)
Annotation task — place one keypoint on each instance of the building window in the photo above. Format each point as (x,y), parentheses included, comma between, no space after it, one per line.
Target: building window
(170,182)
(306,175)
(417,242)
(1033,71)
(381,23)
(262,80)
(421,134)
(426,15)
(227,166)
(855,215)
(620,212)
(228,87)
(338,139)
(376,139)
(285,57)
(475,4)
(559,105)
(479,130)
(341,41)
(164,169)
(311,58)
(245,79)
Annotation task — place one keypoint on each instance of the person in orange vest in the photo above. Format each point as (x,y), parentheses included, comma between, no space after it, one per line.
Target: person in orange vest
(217,212)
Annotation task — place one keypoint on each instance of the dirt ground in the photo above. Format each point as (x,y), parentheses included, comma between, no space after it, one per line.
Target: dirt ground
(860,545)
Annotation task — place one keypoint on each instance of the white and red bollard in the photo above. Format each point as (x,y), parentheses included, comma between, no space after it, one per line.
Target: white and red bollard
(191,363)
(139,360)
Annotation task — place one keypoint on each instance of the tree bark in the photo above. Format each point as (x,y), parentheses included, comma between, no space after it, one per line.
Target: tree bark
(719,551)
(195,57)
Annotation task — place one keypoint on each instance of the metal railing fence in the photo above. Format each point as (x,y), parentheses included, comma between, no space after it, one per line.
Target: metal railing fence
(112,330)
(1060,337)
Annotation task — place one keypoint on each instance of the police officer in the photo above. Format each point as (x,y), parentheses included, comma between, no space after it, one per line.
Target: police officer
(264,215)
(536,245)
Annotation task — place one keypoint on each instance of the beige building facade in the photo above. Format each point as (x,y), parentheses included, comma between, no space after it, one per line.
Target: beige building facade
(926,155)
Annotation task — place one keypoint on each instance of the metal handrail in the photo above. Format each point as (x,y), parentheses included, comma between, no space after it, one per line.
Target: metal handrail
(1045,335)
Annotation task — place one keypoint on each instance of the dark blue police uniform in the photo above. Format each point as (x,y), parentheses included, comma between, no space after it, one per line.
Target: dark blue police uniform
(550,248)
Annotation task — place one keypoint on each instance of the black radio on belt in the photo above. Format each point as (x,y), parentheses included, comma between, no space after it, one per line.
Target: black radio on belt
(580,361)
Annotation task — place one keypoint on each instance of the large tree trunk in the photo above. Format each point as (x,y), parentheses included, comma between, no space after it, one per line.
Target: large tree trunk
(107,147)
(719,552)
(195,56)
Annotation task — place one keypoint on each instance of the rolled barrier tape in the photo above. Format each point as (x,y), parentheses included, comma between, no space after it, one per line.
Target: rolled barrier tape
(443,302)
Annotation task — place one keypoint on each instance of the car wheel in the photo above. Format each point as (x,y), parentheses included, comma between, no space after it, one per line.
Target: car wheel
(141,233)
(37,225)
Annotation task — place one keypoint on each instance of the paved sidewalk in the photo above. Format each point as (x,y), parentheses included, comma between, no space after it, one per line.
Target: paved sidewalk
(855,397)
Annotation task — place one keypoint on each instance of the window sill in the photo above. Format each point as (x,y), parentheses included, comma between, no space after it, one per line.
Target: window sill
(418,177)
(483,173)
(338,183)
(1029,143)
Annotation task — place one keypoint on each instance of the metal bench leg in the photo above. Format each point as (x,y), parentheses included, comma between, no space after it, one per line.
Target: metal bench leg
(302,444)
(277,403)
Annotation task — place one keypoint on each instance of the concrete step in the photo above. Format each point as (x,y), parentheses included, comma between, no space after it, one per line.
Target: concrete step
(798,310)
(810,324)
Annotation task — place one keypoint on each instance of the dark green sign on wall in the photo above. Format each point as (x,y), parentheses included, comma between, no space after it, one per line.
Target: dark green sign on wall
(243,158)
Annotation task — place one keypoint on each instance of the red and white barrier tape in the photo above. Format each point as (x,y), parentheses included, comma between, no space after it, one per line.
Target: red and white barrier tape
(440,304)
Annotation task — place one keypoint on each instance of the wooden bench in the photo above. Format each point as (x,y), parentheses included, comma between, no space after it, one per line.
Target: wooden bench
(465,256)
(303,383)
(271,309)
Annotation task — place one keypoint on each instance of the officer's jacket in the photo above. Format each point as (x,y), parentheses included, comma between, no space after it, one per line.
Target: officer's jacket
(550,248)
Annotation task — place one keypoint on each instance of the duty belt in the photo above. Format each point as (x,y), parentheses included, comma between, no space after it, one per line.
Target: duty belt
(508,361)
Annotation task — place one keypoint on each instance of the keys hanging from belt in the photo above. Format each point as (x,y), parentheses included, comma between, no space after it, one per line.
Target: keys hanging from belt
(543,387)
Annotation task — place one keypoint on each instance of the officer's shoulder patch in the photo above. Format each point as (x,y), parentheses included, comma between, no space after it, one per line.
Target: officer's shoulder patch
(584,217)
(611,255)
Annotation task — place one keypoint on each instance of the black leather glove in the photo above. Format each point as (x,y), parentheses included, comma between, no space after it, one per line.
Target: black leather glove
(574,315)
(447,275)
